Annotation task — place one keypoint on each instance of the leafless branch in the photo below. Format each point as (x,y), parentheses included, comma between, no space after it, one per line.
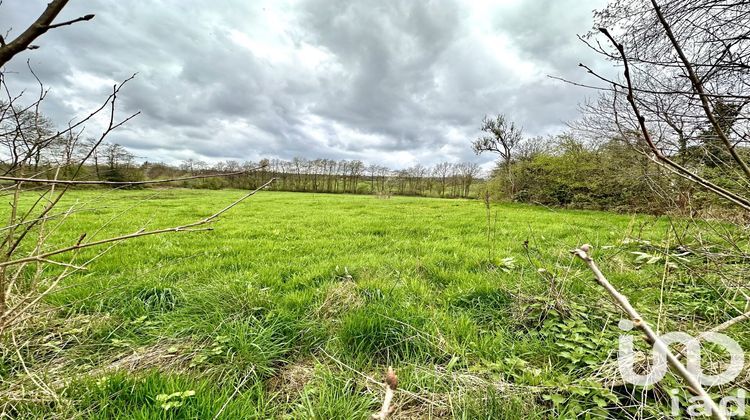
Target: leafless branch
(184,228)
(651,336)
(726,324)
(42,24)
(698,87)
(70,22)
(735,198)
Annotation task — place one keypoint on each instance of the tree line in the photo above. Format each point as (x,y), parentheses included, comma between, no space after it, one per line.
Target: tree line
(449,180)
(32,146)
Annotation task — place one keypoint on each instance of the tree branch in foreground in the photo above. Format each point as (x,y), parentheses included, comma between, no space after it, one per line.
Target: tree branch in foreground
(184,228)
(651,336)
(72,21)
(43,23)
(698,87)
(722,192)
(391,383)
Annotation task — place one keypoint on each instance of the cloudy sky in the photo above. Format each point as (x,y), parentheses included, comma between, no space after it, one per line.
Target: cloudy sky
(390,82)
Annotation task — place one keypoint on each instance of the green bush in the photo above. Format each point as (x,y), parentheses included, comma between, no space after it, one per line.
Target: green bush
(609,176)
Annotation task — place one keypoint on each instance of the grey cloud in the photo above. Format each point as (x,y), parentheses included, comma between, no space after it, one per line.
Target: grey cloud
(395,79)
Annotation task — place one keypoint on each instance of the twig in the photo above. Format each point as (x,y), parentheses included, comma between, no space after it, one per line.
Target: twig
(70,22)
(739,200)
(719,328)
(183,228)
(724,325)
(62,264)
(391,383)
(651,336)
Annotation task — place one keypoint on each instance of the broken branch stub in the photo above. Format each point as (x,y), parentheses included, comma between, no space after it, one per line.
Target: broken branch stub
(391,383)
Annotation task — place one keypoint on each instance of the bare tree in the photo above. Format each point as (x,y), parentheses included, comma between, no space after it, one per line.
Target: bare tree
(503,137)
(468,171)
(440,171)
(25,135)
(684,88)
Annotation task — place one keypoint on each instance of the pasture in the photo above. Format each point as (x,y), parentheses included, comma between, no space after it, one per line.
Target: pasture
(295,304)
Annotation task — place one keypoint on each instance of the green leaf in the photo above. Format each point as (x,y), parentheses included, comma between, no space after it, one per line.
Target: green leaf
(557,399)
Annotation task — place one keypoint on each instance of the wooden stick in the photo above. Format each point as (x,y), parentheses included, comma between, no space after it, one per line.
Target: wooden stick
(391,383)
(726,324)
(651,336)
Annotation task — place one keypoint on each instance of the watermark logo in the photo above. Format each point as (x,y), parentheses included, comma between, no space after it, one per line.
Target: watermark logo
(627,358)
(730,405)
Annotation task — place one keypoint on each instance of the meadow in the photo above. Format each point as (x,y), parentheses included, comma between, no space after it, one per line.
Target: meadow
(295,304)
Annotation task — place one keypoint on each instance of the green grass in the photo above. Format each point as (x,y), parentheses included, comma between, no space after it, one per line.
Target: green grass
(294,299)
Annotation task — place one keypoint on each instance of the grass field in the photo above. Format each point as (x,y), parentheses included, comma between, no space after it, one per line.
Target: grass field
(296,301)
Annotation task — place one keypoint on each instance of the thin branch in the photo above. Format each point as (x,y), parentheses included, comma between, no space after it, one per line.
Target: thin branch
(651,336)
(726,324)
(698,86)
(62,264)
(70,22)
(719,328)
(590,71)
(184,228)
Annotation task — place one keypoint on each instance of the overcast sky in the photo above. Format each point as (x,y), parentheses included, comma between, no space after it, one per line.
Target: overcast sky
(389,82)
